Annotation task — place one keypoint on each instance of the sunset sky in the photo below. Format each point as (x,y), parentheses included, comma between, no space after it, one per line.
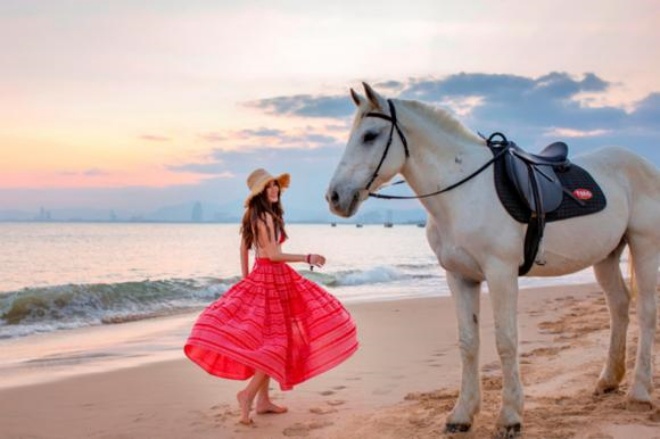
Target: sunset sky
(133,105)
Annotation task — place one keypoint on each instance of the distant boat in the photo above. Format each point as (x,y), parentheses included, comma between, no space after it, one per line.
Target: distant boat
(358,225)
(389,223)
(421,224)
(333,224)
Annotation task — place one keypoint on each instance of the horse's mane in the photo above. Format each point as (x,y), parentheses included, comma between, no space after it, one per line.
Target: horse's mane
(444,118)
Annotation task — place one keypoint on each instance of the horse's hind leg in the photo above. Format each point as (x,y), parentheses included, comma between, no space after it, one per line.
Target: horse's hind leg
(608,275)
(645,258)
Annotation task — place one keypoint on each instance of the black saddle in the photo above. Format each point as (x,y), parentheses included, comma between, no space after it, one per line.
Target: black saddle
(555,154)
(539,188)
(534,175)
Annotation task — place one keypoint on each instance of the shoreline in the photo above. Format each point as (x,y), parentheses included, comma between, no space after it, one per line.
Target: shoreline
(401,383)
(107,347)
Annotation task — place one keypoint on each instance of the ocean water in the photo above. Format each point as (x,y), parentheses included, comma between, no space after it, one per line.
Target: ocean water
(57,276)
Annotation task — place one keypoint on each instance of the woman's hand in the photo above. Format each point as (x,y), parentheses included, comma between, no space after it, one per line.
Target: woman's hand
(316,260)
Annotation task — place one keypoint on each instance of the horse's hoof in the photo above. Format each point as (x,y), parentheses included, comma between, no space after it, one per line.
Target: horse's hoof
(508,432)
(603,387)
(457,428)
(599,391)
(639,406)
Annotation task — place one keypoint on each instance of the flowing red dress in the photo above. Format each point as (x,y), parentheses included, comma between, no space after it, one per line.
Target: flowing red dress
(275,321)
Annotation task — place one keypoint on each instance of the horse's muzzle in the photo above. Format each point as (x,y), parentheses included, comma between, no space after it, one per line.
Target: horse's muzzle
(343,205)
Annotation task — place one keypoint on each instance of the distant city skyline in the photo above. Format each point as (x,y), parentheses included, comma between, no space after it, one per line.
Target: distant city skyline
(199,213)
(133,106)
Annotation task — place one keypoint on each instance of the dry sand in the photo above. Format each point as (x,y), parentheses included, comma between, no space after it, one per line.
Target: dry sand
(401,384)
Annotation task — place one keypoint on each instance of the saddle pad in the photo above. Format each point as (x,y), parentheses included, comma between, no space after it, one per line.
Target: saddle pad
(575,179)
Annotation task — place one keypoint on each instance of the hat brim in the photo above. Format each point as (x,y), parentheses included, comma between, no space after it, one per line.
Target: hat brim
(283,180)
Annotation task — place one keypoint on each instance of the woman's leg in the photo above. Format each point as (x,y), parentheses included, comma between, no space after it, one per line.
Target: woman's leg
(264,404)
(246,396)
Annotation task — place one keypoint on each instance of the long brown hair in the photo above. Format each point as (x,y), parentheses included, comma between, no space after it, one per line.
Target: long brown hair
(257,209)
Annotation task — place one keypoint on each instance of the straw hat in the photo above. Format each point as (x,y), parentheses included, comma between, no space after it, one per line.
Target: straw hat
(259,179)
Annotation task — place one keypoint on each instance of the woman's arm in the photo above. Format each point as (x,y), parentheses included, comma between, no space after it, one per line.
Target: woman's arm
(271,249)
(244,258)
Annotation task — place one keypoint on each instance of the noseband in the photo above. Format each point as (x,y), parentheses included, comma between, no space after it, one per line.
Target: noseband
(503,144)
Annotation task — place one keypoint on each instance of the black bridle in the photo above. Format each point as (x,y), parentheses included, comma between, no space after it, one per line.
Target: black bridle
(393,126)
(503,143)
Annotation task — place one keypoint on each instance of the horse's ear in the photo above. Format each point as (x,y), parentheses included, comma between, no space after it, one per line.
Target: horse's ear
(356,98)
(376,99)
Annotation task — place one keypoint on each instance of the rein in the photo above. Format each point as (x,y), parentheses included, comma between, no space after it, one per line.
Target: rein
(504,144)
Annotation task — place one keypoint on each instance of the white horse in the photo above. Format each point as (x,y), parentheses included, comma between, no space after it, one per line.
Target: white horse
(476,240)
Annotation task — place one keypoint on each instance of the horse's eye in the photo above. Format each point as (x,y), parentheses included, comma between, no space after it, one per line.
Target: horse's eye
(369,136)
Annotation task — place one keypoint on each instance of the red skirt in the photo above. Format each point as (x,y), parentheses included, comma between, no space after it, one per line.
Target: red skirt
(274,321)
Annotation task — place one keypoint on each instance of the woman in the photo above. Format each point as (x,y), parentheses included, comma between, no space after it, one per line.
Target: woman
(274,322)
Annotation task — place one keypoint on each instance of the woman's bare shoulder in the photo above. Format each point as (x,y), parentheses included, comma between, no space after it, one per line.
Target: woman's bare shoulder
(266,229)
(267,221)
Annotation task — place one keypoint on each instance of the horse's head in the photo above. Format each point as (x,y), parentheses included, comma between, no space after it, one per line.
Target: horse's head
(375,153)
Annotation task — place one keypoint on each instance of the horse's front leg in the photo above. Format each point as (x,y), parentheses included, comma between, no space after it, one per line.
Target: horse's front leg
(503,291)
(466,298)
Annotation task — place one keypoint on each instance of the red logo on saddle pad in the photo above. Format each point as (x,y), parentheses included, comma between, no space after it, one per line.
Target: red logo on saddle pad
(583,194)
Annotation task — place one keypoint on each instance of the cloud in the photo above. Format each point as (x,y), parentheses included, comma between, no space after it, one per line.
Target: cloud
(531,110)
(261,132)
(305,106)
(308,137)
(154,138)
(569,133)
(553,98)
(502,87)
(92,172)
(228,164)
(549,100)
(390,86)
(647,112)
(212,137)
(216,169)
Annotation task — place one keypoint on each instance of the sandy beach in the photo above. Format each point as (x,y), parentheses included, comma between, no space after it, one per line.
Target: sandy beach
(402,383)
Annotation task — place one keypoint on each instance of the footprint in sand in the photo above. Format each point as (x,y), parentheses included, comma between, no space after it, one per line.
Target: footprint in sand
(304,429)
(381,392)
(212,418)
(336,402)
(327,410)
(490,367)
(332,392)
(655,416)
(545,352)
(322,410)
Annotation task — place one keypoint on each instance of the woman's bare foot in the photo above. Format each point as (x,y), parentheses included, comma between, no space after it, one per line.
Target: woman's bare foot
(264,407)
(244,404)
